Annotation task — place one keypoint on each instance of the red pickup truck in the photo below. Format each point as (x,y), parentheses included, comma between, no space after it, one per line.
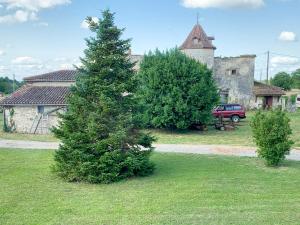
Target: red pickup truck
(235,112)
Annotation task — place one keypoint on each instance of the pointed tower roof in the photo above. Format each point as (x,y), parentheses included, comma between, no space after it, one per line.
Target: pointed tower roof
(198,39)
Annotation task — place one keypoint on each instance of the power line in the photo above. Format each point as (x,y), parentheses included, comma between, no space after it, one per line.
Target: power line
(273,53)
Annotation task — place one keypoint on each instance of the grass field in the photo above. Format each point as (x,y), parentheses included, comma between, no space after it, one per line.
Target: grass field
(185,189)
(241,136)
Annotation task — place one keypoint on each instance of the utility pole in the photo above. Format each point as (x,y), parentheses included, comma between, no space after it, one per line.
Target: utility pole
(268,65)
(14,83)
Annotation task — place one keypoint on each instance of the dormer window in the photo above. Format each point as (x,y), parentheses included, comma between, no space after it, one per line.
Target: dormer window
(196,41)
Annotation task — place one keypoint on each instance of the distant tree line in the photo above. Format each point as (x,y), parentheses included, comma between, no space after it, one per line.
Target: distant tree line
(287,81)
(6,85)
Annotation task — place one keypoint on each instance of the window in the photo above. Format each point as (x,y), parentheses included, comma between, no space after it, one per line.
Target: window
(40,109)
(221,108)
(234,72)
(229,108)
(298,99)
(196,41)
(224,98)
(237,107)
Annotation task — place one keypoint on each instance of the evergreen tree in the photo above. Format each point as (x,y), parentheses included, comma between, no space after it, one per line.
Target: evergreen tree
(175,90)
(101,142)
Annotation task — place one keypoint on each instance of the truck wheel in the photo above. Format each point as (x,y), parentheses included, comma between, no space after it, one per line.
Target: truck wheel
(235,119)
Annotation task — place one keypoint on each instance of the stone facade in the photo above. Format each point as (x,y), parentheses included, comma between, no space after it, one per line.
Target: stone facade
(204,56)
(235,78)
(24,118)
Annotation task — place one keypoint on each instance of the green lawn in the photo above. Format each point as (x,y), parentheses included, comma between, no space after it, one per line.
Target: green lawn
(241,136)
(185,189)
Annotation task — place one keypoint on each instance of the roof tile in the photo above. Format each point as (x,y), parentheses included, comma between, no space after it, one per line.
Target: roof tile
(33,95)
(261,89)
(57,76)
(204,42)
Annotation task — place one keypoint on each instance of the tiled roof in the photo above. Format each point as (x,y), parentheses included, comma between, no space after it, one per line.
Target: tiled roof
(34,95)
(203,41)
(261,89)
(57,76)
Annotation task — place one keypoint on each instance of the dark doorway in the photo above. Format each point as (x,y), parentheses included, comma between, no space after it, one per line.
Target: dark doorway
(268,102)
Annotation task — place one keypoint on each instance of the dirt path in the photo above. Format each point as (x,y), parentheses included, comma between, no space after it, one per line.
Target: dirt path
(179,148)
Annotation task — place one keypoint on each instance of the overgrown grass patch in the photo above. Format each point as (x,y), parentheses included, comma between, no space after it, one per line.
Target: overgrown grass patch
(185,189)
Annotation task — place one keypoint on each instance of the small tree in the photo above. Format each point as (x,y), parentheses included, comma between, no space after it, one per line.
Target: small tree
(175,90)
(271,132)
(100,139)
(282,80)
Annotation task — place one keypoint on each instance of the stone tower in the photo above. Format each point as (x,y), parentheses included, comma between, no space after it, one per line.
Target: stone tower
(199,46)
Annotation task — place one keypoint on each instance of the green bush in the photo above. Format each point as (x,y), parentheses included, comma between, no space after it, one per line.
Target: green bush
(271,132)
(296,79)
(283,80)
(175,90)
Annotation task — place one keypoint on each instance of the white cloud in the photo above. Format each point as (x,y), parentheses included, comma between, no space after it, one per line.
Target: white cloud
(287,36)
(24,60)
(2,69)
(42,24)
(19,16)
(284,61)
(252,4)
(33,5)
(1,52)
(66,66)
(27,10)
(84,24)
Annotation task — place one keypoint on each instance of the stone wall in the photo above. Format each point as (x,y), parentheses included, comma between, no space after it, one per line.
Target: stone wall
(235,76)
(204,56)
(137,59)
(24,117)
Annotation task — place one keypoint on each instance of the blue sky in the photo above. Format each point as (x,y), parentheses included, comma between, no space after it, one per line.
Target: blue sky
(38,36)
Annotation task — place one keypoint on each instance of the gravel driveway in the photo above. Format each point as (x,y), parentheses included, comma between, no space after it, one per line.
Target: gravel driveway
(178,148)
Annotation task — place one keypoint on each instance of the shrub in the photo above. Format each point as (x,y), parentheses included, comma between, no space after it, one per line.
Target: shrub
(293,99)
(175,90)
(271,132)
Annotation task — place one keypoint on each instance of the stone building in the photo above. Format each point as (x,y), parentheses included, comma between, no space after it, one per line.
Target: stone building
(33,108)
